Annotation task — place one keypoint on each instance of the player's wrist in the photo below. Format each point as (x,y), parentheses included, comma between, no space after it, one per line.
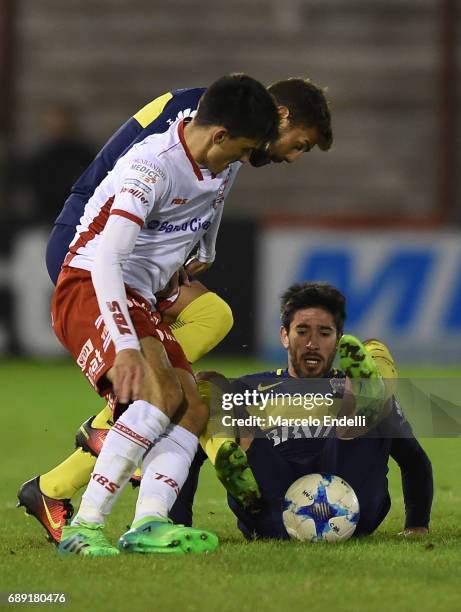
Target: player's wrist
(127,344)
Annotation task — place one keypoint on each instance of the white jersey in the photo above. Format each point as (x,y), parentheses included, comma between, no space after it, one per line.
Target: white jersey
(146,217)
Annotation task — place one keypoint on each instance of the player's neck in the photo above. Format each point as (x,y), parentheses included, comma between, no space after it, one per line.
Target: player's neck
(198,140)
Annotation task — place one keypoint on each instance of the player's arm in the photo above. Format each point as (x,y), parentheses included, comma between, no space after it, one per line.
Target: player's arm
(417,482)
(117,242)
(206,252)
(127,216)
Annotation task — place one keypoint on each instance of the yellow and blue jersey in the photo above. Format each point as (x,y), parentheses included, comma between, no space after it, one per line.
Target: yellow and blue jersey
(154,118)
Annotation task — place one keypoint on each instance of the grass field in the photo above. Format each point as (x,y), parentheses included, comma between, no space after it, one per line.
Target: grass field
(43,404)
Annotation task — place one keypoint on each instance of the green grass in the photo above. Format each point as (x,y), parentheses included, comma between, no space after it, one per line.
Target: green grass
(43,403)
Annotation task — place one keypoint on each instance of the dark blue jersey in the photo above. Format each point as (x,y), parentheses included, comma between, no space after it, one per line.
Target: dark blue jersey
(293,441)
(299,445)
(154,118)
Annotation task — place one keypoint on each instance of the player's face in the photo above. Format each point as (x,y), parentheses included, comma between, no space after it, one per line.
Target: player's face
(292,143)
(226,150)
(310,342)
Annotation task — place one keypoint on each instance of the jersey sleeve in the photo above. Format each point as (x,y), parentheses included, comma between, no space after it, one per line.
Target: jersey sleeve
(417,482)
(138,188)
(415,468)
(116,244)
(207,247)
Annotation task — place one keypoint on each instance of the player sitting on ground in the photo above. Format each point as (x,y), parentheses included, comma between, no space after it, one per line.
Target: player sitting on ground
(103,309)
(200,319)
(313,316)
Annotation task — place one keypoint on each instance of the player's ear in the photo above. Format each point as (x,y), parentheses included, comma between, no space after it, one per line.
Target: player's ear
(220,135)
(284,337)
(284,114)
(339,335)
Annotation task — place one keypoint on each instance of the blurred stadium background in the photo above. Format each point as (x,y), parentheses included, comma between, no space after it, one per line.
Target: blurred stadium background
(379,215)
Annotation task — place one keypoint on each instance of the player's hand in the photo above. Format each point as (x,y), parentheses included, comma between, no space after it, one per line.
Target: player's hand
(172,287)
(409,532)
(127,375)
(194,267)
(215,378)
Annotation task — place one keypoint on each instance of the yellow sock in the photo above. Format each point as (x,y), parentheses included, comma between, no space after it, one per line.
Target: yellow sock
(68,477)
(63,481)
(209,443)
(103,420)
(384,362)
(382,357)
(202,324)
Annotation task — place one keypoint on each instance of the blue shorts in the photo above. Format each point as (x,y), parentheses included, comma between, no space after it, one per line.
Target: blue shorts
(361,462)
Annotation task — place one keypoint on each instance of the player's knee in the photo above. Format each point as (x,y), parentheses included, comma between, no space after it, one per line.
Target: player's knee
(166,393)
(226,317)
(202,324)
(172,398)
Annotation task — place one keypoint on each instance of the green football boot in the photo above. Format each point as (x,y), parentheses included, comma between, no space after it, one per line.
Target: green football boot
(85,539)
(355,360)
(233,471)
(367,383)
(156,535)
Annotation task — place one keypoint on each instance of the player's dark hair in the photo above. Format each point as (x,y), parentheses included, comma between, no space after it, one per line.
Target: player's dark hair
(242,105)
(308,106)
(313,295)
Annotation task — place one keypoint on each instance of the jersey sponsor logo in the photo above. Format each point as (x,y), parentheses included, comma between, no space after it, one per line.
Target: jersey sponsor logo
(136,193)
(118,317)
(149,165)
(194,225)
(149,174)
(138,184)
(179,201)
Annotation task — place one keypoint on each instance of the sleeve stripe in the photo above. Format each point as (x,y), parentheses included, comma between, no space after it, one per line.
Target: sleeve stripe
(128,215)
(151,111)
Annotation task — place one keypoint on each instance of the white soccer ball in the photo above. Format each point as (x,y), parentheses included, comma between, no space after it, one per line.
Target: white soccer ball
(320,507)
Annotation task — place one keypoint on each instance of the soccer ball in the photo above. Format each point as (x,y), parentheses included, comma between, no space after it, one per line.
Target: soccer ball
(320,507)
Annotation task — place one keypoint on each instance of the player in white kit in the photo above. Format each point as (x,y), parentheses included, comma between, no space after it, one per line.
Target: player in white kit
(163,199)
